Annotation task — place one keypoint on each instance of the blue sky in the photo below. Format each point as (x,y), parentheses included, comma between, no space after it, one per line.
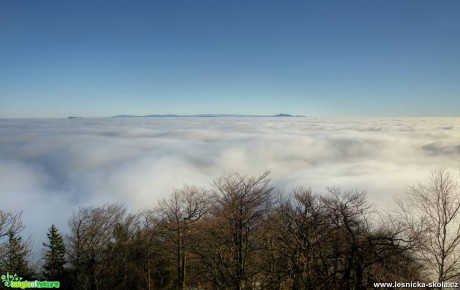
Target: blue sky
(103,58)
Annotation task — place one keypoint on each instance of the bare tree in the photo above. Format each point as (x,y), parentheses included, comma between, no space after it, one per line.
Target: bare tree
(274,264)
(348,213)
(178,214)
(91,229)
(9,222)
(299,239)
(14,251)
(154,255)
(228,248)
(358,245)
(331,241)
(431,211)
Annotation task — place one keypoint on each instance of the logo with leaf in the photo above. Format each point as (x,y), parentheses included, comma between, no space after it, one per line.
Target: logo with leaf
(8,278)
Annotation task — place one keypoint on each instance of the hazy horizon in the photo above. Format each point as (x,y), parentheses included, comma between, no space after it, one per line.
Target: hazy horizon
(230,115)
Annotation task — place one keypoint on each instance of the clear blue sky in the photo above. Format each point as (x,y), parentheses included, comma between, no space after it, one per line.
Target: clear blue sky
(101,58)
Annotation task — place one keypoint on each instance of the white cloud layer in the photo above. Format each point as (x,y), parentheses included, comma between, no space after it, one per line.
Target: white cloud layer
(50,167)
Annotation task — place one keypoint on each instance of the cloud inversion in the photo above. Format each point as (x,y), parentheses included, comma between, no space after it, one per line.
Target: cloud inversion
(48,168)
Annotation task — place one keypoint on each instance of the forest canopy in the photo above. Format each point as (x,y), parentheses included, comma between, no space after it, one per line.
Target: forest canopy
(243,233)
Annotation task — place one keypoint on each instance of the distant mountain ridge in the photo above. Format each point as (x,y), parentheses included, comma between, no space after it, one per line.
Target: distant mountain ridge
(204,116)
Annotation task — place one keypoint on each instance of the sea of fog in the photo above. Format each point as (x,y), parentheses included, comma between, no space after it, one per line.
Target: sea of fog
(50,167)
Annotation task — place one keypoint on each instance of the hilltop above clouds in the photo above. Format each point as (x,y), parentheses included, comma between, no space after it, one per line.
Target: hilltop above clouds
(209,116)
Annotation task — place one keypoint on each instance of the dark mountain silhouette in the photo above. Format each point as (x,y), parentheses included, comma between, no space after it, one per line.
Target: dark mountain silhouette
(205,116)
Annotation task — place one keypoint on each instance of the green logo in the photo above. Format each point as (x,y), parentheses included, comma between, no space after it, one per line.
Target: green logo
(14,281)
